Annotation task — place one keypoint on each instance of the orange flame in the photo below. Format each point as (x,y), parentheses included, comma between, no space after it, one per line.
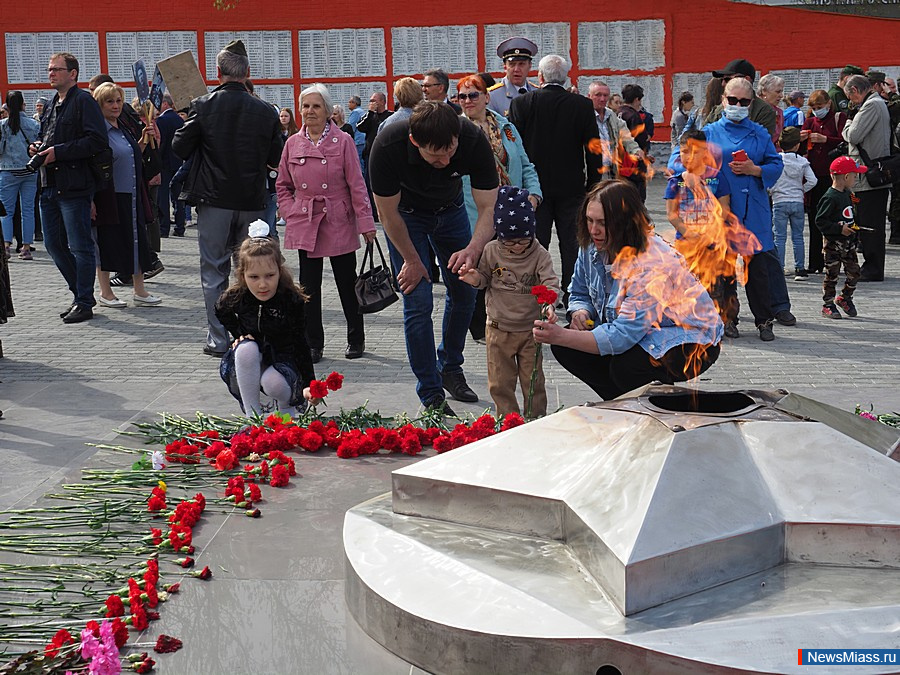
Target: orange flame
(625,163)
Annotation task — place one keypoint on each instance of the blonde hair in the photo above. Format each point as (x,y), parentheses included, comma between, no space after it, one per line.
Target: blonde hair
(254,248)
(106,92)
(408,92)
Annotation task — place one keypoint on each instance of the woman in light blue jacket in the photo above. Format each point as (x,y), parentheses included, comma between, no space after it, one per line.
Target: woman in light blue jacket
(17,132)
(637,313)
(513,165)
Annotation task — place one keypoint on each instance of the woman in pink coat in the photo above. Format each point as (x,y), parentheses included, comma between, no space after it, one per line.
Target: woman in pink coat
(322,198)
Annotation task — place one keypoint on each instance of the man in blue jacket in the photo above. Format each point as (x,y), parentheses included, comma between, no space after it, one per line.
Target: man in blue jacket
(72,131)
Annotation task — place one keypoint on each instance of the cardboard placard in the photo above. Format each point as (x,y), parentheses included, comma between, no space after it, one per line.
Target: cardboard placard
(182,78)
(140,80)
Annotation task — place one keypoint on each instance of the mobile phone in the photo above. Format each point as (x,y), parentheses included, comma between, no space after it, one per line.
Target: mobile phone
(739,156)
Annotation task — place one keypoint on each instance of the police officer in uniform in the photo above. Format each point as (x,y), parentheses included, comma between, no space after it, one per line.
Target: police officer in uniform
(516,53)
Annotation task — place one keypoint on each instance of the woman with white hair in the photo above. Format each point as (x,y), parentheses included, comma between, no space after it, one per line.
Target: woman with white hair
(771,90)
(323,200)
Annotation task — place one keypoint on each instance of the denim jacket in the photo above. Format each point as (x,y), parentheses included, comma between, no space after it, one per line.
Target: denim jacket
(14,147)
(651,300)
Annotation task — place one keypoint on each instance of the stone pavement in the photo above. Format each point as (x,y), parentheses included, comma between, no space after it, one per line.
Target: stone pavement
(276,604)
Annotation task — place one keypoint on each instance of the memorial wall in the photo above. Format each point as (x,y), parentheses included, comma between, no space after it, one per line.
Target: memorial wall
(666,49)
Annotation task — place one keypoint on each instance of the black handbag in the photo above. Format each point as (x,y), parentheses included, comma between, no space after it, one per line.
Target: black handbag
(883,170)
(375,288)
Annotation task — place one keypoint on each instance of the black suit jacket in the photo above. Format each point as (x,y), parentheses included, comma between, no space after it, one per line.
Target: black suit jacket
(168,123)
(556,127)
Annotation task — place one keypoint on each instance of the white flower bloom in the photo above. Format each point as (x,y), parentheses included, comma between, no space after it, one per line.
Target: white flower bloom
(158,459)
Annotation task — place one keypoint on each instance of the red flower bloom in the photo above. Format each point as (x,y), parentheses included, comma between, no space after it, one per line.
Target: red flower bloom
(253,513)
(318,389)
(166,644)
(544,295)
(205,574)
(114,606)
(241,445)
(226,461)
(511,421)
(411,445)
(156,534)
(139,618)
(334,381)
(255,492)
(280,476)
(94,627)
(180,537)
(213,449)
(185,562)
(200,500)
(151,576)
(152,597)
(442,444)
(152,616)
(264,469)
(120,632)
(62,637)
(172,588)
(144,666)
(155,504)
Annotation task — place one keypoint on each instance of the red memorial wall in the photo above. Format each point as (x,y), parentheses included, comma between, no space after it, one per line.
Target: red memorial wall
(667,46)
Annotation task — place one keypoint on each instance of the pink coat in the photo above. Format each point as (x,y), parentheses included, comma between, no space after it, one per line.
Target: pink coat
(322,195)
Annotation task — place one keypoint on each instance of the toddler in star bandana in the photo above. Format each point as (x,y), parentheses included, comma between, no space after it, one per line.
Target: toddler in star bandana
(509,267)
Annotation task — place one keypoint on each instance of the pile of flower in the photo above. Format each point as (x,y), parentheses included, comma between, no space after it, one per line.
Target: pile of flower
(117,578)
(891,419)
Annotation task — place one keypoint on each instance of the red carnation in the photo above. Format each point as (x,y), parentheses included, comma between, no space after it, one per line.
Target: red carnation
(253,513)
(442,444)
(172,588)
(152,596)
(511,420)
(185,562)
(151,576)
(120,632)
(205,574)
(226,461)
(334,381)
(255,492)
(241,445)
(166,644)
(156,535)
(94,627)
(155,504)
(544,295)
(200,500)
(318,389)
(114,606)
(139,619)
(62,637)
(280,476)
(144,666)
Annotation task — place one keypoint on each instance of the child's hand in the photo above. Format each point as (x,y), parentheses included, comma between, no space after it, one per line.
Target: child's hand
(550,314)
(847,230)
(307,394)
(468,274)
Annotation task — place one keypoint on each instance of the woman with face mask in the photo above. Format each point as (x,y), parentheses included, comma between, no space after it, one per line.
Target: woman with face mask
(822,133)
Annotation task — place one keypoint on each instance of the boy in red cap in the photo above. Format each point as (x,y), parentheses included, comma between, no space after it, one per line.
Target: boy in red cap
(835,217)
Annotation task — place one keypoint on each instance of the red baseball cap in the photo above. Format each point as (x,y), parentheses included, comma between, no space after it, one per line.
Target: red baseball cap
(844,165)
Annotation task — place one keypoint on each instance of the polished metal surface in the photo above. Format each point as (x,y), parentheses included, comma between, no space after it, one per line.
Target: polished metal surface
(601,524)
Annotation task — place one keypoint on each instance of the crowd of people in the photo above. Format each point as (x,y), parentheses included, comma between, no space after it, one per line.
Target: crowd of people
(469,186)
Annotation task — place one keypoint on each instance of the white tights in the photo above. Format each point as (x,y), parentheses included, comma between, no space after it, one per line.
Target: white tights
(247,367)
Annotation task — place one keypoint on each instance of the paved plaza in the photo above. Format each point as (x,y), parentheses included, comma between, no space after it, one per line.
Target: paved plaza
(276,604)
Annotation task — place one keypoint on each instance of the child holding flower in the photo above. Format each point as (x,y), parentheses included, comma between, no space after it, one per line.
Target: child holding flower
(509,267)
(263,310)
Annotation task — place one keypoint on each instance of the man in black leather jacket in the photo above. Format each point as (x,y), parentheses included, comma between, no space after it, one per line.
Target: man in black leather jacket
(72,131)
(232,138)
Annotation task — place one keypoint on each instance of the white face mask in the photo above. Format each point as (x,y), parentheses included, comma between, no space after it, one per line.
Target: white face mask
(821,112)
(736,113)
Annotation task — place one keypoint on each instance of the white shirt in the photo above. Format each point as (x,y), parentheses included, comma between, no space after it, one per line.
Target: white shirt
(797,178)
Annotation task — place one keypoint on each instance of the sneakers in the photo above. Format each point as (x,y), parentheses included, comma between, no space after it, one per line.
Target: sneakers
(455,383)
(146,300)
(766,334)
(153,271)
(439,404)
(785,318)
(731,330)
(26,255)
(847,305)
(801,274)
(123,280)
(831,311)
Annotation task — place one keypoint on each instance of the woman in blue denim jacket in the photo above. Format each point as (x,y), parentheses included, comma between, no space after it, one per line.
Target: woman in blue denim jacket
(16,183)
(637,313)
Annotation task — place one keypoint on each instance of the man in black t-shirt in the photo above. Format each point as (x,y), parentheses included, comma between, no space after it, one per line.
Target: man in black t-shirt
(416,170)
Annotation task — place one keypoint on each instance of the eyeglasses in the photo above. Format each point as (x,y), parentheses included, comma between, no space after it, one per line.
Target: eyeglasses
(56,69)
(429,86)
(743,102)
(473,96)
(510,243)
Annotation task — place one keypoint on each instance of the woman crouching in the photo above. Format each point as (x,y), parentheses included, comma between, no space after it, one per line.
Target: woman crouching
(636,312)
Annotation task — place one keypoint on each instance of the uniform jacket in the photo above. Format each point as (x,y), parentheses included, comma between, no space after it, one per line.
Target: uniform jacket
(556,126)
(235,137)
(749,196)
(322,195)
(503,93)
(520,170)
(80,133)
(509,279)
(626,313)
(869,129)
(14,147)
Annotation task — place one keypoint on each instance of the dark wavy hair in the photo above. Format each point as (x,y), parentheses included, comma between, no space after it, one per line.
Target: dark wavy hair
(627,220)
(263,247)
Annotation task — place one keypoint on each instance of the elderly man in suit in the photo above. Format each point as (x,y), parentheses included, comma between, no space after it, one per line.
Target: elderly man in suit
(557,127)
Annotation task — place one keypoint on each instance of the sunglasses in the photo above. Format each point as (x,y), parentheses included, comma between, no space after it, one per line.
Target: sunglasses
(469,97)
(743,102)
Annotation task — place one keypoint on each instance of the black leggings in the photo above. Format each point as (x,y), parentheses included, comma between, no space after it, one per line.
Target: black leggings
(613,375)
(344,268)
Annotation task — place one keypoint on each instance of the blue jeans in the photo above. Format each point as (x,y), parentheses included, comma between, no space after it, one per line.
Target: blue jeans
(446,232)
(784,214)
(11,189)
(271,210)
(67,236)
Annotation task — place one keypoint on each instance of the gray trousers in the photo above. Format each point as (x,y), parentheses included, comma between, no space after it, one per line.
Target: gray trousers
(220,233)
